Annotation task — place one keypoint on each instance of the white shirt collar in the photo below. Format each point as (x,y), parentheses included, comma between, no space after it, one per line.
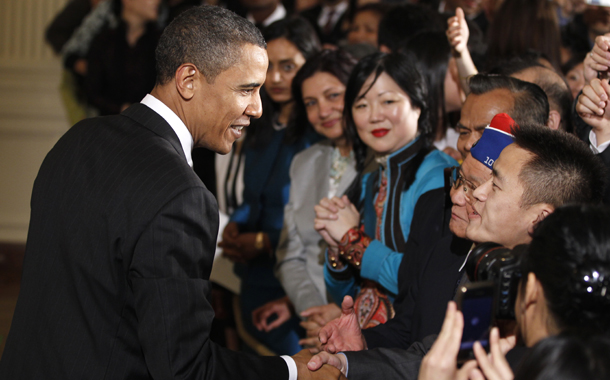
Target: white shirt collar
(338,9)
(186,140)
(466,259)
(278,14)
(597,149)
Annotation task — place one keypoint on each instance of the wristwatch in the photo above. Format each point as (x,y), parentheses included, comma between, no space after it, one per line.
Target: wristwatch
(259,243)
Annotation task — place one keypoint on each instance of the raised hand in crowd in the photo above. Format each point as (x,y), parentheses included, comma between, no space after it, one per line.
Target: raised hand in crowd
(343,333)
(458,32)
(593,107)
(316,318)
(336,216)
(598,59)
(282,308)
(457,35)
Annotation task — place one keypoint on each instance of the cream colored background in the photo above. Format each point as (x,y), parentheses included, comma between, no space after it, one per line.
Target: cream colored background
(32,117)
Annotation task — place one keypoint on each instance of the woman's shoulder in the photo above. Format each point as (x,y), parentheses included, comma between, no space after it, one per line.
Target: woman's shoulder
(430,174)
(437,159)
(320,149)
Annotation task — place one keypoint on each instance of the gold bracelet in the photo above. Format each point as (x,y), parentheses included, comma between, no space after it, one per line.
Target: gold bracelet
(259,243)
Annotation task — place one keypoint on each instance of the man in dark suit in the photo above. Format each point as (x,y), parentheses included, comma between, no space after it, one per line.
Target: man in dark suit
(329,19)
(123,233)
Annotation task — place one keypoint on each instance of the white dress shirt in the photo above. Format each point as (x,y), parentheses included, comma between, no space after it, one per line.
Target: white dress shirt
(185,137)
(278,14)
(597,149)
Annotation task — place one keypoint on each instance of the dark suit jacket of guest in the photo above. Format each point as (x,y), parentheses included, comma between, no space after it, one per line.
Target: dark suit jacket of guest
(583,130)
(338,32)
(427,278)
(117,264)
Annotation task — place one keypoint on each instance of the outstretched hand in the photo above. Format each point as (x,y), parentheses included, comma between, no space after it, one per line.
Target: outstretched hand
(336,360)
(323,372)
(343,333)
(316,318)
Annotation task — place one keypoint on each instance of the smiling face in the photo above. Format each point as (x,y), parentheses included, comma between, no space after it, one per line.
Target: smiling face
(284,62)
(474,173)
(477,112)
(323,99)
(218,111)
(498,216)
(384,117)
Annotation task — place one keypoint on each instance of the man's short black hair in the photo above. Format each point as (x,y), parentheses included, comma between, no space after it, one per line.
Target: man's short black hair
(531,106)
(562,170)
(553,84)
(209,37)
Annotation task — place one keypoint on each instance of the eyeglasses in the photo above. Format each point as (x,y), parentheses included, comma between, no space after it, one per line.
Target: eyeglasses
(456,180)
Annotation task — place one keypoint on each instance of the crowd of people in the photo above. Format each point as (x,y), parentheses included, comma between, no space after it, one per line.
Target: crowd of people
(366,148)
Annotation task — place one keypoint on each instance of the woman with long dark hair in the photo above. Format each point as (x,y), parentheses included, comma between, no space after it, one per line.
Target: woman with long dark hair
(325,169)
(445,94)
(253,232)
(386,111)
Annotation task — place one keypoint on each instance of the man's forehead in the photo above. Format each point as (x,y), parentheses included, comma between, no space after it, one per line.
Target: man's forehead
(480,109)
(510,162)
(474,170)
(251,68)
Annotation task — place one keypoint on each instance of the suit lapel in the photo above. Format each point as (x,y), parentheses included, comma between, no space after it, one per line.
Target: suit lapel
(152,121)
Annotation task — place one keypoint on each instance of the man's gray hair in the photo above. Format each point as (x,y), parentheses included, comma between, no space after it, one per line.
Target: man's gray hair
(209,37)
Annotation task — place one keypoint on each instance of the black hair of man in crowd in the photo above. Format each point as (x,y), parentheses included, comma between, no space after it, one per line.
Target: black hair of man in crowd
(531,106)
(562,169)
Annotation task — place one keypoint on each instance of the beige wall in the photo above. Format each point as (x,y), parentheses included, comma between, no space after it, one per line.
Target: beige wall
(31,114)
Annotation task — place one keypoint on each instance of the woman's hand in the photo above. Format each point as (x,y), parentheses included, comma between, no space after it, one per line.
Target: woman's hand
(346,216)
(281,307)
(241,247)
(316,318)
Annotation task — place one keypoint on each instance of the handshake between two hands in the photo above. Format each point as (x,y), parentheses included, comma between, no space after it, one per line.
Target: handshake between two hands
(340,334)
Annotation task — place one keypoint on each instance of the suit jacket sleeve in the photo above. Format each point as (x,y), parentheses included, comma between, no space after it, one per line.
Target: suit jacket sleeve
(169,275)
(388,363)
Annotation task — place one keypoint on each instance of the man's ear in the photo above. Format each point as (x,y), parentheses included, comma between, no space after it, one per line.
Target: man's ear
(533,290)
(187,80)
(540,212)
(554,121)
